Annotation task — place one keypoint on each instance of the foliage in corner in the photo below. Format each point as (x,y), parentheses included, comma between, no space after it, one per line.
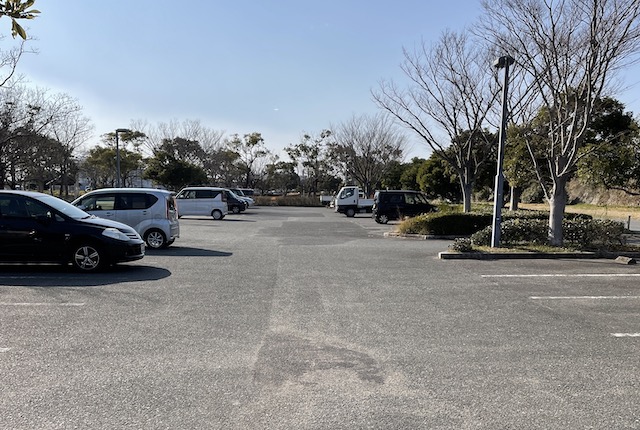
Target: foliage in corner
(17,9)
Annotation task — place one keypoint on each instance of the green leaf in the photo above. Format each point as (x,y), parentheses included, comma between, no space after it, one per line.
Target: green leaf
(16,29)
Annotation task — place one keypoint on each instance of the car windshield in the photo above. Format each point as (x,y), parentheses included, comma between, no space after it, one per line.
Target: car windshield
(64,207)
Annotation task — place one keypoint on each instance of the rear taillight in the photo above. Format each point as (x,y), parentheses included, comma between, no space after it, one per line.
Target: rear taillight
(172,206)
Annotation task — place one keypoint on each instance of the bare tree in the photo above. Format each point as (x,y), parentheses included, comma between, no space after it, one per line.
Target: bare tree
(192,130)
(570,51)
(9,58)
(366,145)
(71,130)
(448,102)
(31,115)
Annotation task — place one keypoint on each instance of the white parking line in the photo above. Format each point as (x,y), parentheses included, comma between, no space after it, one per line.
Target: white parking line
(4,349)
(39,304)
(625,334)
(567,275)
(582,297)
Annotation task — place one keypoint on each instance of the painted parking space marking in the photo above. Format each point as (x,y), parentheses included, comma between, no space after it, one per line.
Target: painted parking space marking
(583,297)
(625,334)
(39,304)
(566,275)
(4,349)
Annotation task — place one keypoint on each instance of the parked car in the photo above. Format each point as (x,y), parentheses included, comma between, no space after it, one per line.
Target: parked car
(40,228)
(238,192)
(151,212)
(235,203)
(249,192)
(203,201)
(397,204)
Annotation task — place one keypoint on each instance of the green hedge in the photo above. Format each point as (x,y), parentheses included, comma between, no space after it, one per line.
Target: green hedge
(305,201)
(448,223)
(582,232)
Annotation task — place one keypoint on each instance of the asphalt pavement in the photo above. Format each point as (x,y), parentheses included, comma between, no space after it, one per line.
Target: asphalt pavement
(301,318)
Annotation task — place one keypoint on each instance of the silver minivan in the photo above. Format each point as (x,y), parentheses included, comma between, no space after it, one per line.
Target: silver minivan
(202,201)
(151,212)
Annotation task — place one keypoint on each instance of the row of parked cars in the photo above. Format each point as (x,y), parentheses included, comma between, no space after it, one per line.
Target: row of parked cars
(103,226)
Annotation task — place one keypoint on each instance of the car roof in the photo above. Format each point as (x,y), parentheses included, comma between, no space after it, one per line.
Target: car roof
(129,190)
(24,193)
(203,188)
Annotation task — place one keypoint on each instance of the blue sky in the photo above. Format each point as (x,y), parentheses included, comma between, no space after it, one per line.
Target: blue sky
(278,67)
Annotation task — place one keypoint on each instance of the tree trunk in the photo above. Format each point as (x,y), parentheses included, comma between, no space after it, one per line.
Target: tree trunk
(557,204)
(514,198)
(467,190)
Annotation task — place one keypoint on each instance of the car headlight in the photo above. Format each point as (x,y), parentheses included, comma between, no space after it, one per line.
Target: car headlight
(116,234)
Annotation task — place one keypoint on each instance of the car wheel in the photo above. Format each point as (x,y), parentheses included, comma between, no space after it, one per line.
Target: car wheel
(216,214)
(236,209)
(350,212)
(87,258)
(155,239)
(382,219)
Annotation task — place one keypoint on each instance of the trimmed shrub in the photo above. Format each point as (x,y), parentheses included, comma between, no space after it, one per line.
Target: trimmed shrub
(445,224)
(305,201)
(515,231)
(449,222)
(583,232)
(461,244)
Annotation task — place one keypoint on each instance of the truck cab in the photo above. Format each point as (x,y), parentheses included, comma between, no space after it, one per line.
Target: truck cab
(351,200)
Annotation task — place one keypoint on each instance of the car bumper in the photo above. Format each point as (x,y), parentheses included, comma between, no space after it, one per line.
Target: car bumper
(128,251)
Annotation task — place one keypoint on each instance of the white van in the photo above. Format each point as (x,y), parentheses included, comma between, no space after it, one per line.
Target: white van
(202,201)
(152,213)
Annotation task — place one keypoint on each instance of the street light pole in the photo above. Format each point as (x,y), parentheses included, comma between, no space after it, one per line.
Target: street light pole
(501,63)
(119,130)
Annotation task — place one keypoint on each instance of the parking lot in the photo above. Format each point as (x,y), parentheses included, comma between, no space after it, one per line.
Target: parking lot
(301,318)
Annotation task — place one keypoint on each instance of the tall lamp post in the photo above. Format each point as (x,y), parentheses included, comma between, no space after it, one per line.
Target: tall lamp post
(500,63)
(119,130)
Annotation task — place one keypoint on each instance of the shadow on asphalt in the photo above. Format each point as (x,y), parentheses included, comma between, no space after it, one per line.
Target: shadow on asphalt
(52,276)
(185,251)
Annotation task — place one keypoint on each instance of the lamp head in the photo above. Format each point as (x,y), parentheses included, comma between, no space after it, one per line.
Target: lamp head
(503,61)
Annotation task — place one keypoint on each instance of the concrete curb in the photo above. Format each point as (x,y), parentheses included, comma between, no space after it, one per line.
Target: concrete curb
(453,255)
(449,255)
(626,257)
(418,236)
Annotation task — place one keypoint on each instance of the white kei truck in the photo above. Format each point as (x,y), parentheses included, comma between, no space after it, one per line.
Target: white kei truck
(351,200)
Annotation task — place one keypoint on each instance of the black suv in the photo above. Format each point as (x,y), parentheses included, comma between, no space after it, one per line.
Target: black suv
(397,204)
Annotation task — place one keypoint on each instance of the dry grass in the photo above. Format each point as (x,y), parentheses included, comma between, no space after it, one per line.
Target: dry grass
(606,212)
